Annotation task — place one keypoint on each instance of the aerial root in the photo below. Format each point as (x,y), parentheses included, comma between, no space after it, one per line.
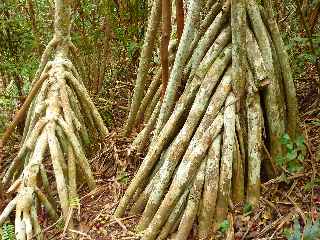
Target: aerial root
(180,143)
(151,106)
(226,160)
(55,125)
(143,192)
(46,203)
(213,53)
(141,140)
(8,209)
(155,150)
(45,57)
(214,10)
(36,110)
(154,86)
(273,97)
(83,162)
(210,189)
(146,55)
(84,97)
(35,224)
(181,203)
(255,143)
(78,61)
(57,158)
(21,113)
(193,204)
(205,147)
(149,100)
(23,223)
(184,174)
(175,217)
(238,193)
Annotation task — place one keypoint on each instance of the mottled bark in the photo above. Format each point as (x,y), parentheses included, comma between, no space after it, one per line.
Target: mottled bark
(154,86)
(181,142)
(272,94)
(54,125)
(193,205)
(191,23)
(290,91)
(210,189)
(255,143)
(207,147)
(226,160)
(145,59)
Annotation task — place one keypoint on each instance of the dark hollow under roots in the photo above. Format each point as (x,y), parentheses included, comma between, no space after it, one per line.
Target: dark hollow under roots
(238,100)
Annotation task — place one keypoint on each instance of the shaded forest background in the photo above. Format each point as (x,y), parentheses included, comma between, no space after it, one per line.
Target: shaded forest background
(109,36)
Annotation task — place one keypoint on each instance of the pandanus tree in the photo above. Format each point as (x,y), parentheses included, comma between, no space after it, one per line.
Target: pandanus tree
(56,131)
(213,116)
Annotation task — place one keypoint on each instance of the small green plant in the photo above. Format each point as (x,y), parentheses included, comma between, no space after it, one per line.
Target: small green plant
(132,48)
(8,232)
(300,48)
(316,122)
(122,177)
(60,225)
(74,202)
(295,153)
(224,226)
(311,231)
(247,208)
(294,233)
(313,183)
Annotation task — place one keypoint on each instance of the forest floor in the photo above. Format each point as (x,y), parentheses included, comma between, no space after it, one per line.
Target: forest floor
(284,200)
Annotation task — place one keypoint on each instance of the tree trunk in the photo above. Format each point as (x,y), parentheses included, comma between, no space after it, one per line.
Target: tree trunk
(145,59)
(165,38)
(207,147)
(57,123)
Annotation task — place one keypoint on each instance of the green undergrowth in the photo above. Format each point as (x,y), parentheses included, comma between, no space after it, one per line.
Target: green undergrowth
(7,231)
(295,153)
(311,231)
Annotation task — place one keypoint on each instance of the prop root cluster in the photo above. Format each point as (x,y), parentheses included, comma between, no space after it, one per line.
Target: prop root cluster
(208,147)
(57,125)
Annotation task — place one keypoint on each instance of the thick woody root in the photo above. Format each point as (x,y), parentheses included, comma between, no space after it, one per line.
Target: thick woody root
(57,124)
(146,56)
(211,149)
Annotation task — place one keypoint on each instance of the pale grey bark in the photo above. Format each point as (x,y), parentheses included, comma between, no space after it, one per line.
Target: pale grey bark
(168,102)
(180,143)
(255,141)
(212,141)
(55,125)
(145,59)
(186,171)
(290,90)
(193,205)
(272,95)
(226,159)
(210,189)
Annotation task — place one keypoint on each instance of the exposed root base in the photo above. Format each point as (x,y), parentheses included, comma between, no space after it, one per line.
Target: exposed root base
(234,93)
(57,123)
